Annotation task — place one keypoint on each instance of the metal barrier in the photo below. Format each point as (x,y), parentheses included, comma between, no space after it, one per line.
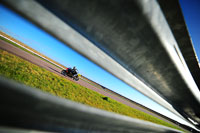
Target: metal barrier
(28,109)
(130,39)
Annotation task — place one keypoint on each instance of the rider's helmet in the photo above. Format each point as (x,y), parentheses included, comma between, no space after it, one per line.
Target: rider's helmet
(74,68)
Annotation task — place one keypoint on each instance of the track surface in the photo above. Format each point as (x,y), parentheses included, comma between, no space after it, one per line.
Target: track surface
(35,60)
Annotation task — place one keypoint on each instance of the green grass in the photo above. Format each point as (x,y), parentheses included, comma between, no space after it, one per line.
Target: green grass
(23,71)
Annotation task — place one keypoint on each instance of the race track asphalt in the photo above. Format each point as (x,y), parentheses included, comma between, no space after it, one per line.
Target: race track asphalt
(37,61)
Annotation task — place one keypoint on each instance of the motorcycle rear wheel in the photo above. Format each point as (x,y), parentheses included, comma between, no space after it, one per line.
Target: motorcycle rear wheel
(63,72)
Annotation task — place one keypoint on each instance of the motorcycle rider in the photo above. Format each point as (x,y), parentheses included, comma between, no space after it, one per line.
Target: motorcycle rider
(74,68)
(70,70)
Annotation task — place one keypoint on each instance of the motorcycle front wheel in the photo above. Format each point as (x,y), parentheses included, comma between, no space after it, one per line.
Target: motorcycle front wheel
(76,78)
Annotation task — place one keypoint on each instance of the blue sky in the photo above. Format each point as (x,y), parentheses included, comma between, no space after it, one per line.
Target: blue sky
(191,12)
(21,29)
(31,35)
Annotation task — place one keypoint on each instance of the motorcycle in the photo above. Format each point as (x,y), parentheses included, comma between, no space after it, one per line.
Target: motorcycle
(72,73)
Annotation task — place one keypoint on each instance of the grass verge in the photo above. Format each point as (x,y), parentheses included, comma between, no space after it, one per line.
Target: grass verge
(23,71)
(10,42)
